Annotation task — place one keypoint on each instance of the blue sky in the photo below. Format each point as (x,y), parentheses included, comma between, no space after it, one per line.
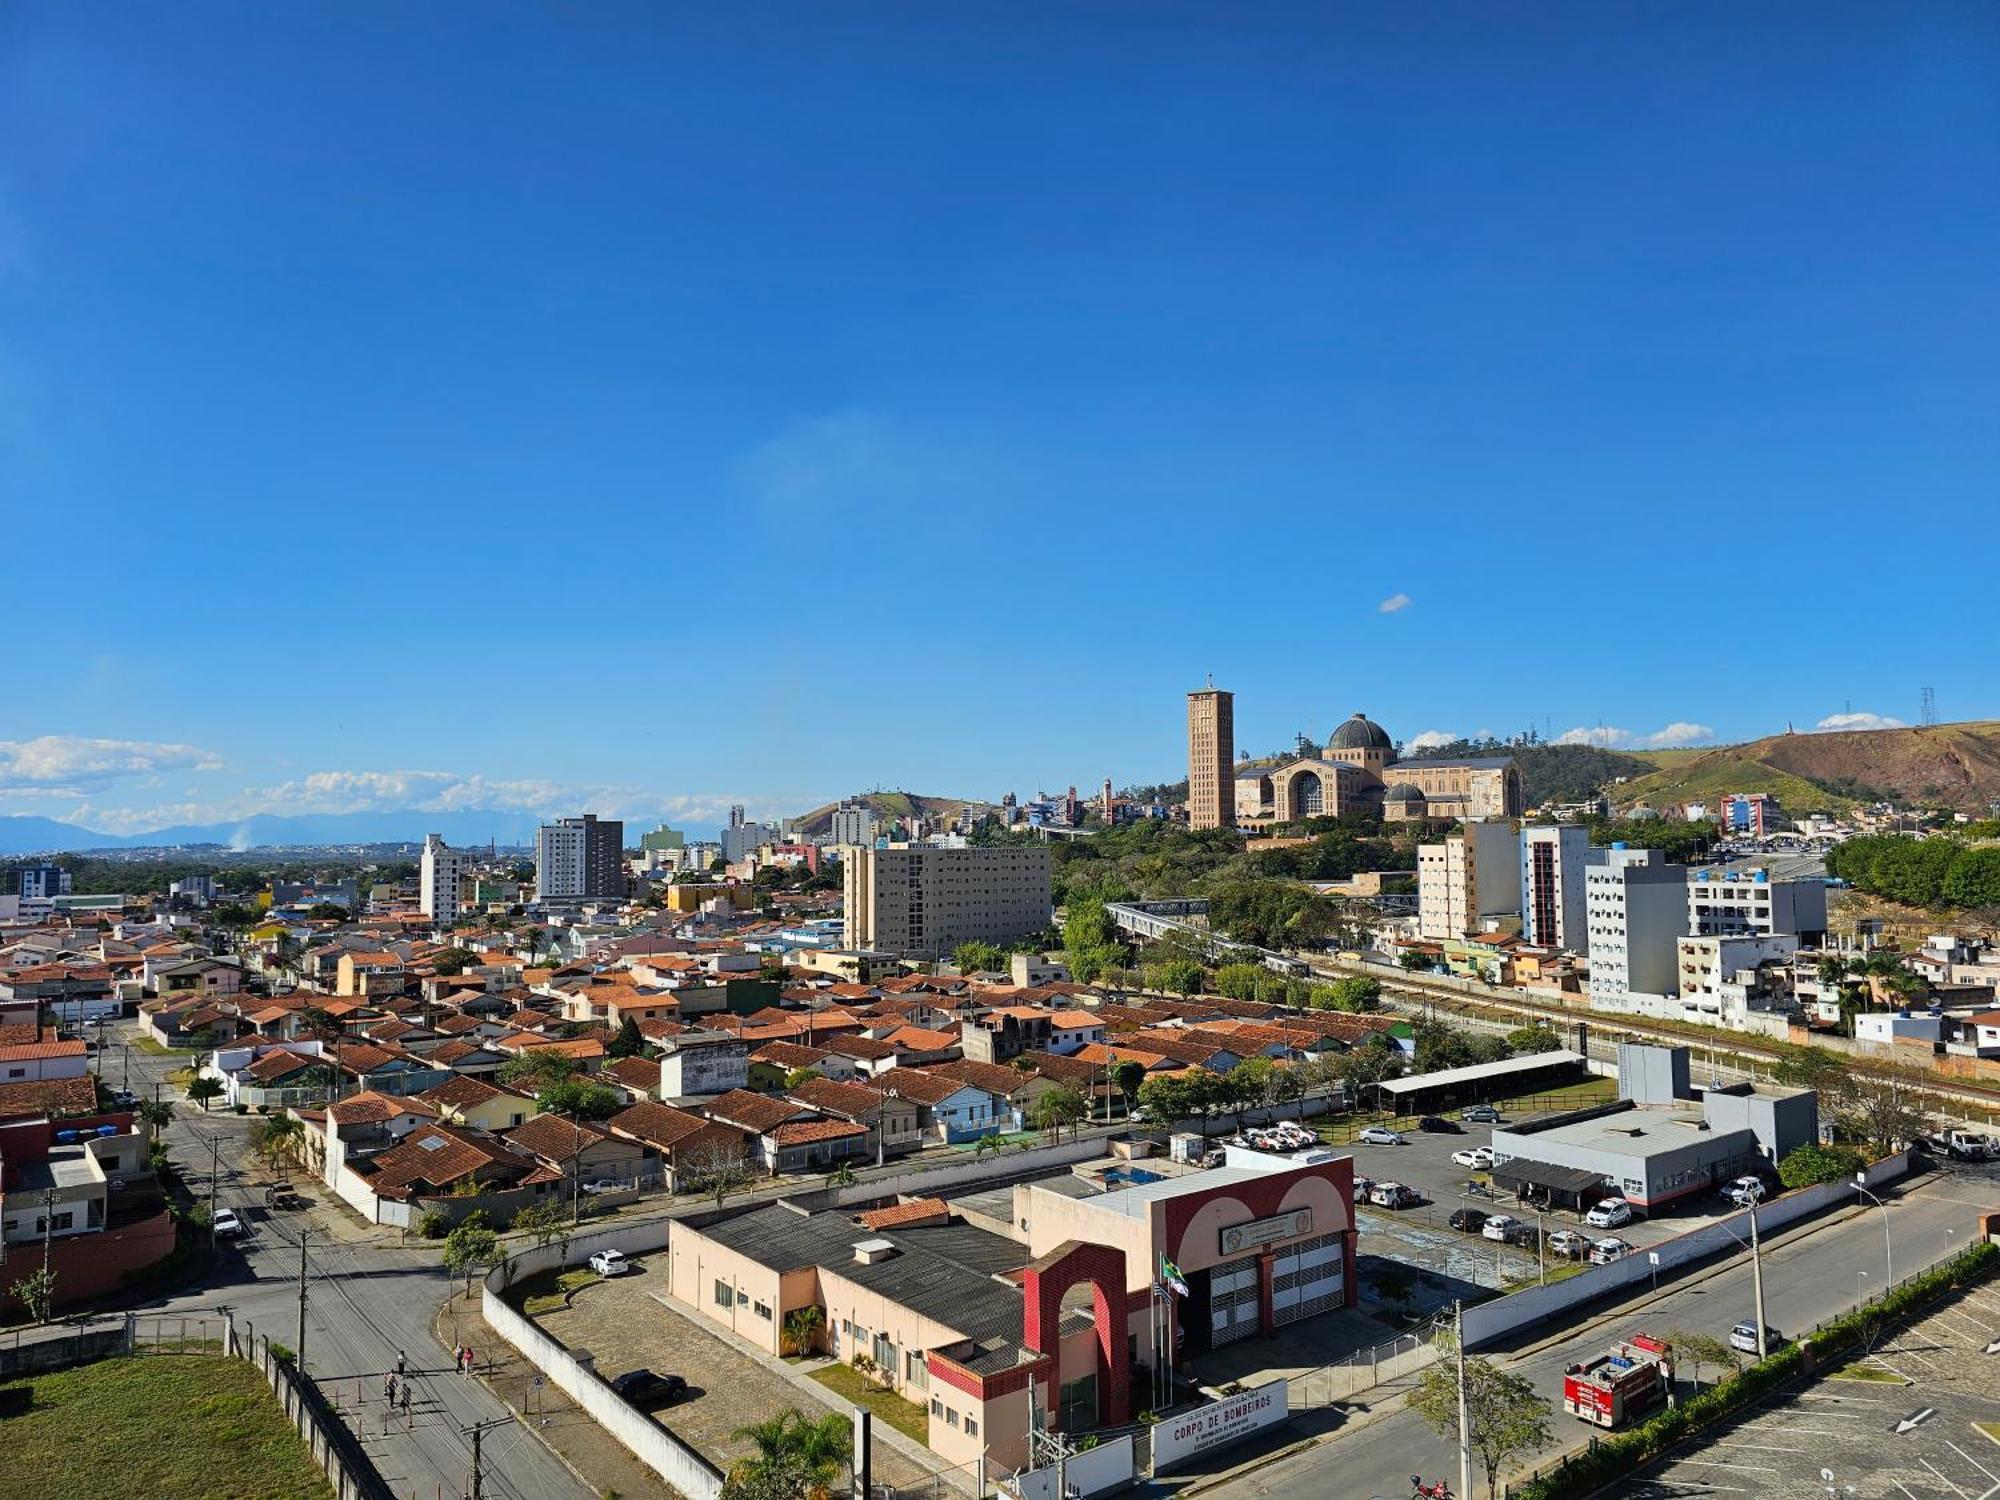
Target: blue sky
(519,405)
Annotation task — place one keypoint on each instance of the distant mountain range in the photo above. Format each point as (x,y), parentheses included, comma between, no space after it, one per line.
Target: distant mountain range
(31,835)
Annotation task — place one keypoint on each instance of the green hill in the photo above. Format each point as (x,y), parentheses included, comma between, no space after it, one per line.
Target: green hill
(1955,766)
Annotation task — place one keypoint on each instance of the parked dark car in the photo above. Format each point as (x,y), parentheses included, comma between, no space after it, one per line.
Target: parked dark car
(642,1387)
(1471,1220)
(1433,1125)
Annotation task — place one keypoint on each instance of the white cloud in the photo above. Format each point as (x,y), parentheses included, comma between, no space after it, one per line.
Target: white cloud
(75,765)
(429,791)
(1430,739)
(1680,732)
(1394,602)
(1859,721)
(1609,737)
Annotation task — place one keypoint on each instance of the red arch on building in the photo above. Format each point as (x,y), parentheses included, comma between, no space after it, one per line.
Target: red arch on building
(1045,1284)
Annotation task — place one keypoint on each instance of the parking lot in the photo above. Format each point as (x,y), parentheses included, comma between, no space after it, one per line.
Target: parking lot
(624,1324)
(1423,1161)
(1899,1423)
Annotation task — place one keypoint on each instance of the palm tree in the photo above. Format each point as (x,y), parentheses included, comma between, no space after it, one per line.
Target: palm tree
(157,1115)
(808,1450)
(800,1326)
(841,1176)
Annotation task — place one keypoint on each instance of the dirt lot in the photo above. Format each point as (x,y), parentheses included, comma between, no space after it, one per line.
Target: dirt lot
(624,1326)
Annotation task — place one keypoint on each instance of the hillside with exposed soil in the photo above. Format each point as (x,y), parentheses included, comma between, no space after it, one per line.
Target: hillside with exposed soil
(1955,766)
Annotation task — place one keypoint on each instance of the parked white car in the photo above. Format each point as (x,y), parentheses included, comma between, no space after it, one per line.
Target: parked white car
(1606,1251)
(610,1263)
(1379,1135)
(1500,1227)
(1610,1213)
(1568,1242)
(1744,1191)
(1479,1158)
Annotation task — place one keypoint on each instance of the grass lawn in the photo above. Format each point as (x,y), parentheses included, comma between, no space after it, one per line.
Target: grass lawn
(1867,1372)
(1571,1096)
(547,1291)
(166,1426)
(154,1048)
(905,1416)
(1558,1271)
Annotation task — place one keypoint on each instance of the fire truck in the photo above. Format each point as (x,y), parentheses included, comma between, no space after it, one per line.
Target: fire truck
(1625,1382)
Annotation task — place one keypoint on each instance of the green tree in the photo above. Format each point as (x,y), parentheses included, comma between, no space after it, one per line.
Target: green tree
(539,1066)
(277,1140)
(796,1456)
(1056,1108)
(1128,1077)
(469,1246)
(546,1223)
(1248,1086)
(204,1089)
(1239,981)
(1540,1037)
(802,1326)
(579,1097)
(1175,976)
(318,1024)
(449,961)
(1698,1349)
(1504,1415)
(1165,1099)
(37,1293)
(627,1041)
(1357,992)
(1805,1165)
(1415,962)
(1815,1068)
(156,1115)
(977,958)
(799,1076)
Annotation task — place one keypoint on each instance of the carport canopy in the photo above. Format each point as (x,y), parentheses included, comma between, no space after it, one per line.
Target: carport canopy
(1571,1187)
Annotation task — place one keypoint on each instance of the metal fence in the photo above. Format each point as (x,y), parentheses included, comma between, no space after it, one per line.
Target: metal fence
(1341,1379)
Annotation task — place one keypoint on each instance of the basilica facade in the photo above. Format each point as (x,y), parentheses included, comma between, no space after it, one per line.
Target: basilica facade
(1359,769)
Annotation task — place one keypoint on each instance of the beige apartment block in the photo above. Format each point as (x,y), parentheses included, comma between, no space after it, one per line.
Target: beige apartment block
(1471,877)
(1211,759)
(922,901)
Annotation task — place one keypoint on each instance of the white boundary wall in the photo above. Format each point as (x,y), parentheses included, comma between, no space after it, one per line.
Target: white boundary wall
(674,1461)
(1108,1466)
(1503,1315)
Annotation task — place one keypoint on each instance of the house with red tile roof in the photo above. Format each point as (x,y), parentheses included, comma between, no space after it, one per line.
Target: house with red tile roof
(578,1150)
(953,1111)
(895,1125)
(684,1148)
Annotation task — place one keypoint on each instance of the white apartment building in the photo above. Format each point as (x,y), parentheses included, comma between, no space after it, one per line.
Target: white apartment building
(440,873)
(1749,903)
(1730,981)
(1553,860)
(741,840)
(1474,875)
(853,823)
(580,859)
(922,901)
(1635,903)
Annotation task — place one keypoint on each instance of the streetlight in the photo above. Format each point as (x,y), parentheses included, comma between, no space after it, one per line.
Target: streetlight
(1888,1251)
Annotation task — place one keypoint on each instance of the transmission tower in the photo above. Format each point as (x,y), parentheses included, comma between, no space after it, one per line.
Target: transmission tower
(1929,716)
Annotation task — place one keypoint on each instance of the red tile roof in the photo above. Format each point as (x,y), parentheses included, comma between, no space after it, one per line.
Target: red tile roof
(805,1132)
(907,1215)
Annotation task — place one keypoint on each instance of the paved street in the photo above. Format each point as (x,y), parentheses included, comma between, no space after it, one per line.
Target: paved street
(1811,1273)
(365,1301)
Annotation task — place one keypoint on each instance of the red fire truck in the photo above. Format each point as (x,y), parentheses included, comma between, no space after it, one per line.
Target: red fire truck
(1628,1381)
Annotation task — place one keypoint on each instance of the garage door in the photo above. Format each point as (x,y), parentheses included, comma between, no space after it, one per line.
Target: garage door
(1232,1301)
(1307,1279)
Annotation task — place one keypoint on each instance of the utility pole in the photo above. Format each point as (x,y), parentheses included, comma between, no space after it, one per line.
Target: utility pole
(1757,1280)
(214,1157)
(473,1490)
(1464,1426)
(299,1352)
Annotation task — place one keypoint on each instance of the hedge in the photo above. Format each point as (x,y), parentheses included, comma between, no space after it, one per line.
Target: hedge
(1617,1457)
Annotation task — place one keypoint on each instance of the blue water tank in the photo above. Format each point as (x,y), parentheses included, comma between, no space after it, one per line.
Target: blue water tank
(107,1130)
(1761,876)
(1618,844)
(65,1137)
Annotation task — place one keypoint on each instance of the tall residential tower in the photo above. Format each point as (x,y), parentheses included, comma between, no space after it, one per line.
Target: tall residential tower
(1211,759)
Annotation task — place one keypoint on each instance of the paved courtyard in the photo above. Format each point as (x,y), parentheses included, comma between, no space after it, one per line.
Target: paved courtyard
(1933,1381)
(625,1326)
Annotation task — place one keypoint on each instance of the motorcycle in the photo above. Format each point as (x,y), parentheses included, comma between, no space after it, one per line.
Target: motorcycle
(1421,1491)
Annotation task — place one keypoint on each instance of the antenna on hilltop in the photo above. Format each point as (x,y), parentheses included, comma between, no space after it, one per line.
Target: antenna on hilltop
(1929,716)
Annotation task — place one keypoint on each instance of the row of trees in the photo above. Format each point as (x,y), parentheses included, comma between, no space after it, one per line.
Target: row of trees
(1939,873)
(1883,1109)
(1198,1094)
(1439,1046)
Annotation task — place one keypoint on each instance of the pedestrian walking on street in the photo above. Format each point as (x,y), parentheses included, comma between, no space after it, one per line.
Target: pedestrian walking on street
(406,1401)
(400,1362)
(389,1389)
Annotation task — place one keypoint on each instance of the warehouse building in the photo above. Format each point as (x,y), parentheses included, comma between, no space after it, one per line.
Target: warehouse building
(1659,1142)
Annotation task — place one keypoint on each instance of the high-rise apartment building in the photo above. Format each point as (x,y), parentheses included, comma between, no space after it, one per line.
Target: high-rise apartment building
(1553,859)
(1211,759)
(853,823)
(1749,903)
(1471,877)
(580,859)
(1635,905)
(922,901)
(42,882)
(440,873)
